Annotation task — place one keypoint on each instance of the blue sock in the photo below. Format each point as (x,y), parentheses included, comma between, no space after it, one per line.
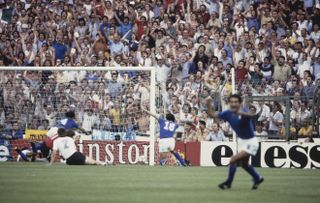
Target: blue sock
(23,156)
(253,173)
(180,159)
(232,172)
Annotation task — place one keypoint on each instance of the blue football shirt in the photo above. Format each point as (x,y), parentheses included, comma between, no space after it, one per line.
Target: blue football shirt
(67,124)
(242,125)
(167,128)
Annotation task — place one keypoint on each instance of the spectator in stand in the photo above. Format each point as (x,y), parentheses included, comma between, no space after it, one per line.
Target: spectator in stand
(316,67)
(260,132)
(282,71)
(116,45)
(115,117)
(267,68)
(309,89)
(202,131)
(216,134)
(114,86)
(264,111)
(306,129)
(60,48)
(275,120)
(89,119)
(44,125)
(302,114)
(14,133)
(241,72)
(190,134)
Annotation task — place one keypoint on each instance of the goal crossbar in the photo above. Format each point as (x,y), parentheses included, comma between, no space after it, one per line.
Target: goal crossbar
(74,68)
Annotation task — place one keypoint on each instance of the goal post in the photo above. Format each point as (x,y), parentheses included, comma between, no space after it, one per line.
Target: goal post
(151,76)
(233,91)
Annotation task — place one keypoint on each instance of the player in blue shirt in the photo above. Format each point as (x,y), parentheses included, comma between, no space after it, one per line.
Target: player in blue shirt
(239,119)
(69,123)
(168,127)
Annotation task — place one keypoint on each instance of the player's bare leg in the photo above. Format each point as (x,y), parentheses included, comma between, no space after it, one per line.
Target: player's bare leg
(239,157)
(90,161)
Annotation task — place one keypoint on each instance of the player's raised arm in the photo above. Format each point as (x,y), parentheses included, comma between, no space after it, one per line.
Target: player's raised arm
(248,114)
(245,105)
(210,110)
(82,130)
(150,113)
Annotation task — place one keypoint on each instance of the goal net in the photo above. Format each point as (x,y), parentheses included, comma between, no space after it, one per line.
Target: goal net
(107,100)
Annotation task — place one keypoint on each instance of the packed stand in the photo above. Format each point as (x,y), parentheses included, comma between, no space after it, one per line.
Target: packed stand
(273,47)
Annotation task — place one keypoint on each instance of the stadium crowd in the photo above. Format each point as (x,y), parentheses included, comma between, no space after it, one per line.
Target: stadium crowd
(272,45)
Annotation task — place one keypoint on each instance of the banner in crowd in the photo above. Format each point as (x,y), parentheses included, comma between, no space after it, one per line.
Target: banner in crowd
(108,135)
(31,134)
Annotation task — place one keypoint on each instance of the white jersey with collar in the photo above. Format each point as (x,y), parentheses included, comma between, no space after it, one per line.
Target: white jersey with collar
(66,146)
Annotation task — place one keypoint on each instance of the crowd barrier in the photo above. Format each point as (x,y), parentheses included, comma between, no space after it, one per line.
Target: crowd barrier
(275,154)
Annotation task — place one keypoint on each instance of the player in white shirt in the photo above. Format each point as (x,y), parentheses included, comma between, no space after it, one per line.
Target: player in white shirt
(66,146)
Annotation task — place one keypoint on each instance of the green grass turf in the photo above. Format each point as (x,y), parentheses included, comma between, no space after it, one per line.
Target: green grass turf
(30,182)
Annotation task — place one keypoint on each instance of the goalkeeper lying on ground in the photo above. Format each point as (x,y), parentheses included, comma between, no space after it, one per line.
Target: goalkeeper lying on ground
(66,146)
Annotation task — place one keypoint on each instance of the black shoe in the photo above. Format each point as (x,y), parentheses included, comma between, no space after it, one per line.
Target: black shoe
(256,184)
(224,186)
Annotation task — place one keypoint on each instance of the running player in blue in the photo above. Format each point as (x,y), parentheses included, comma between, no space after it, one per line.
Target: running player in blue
(240,120)
(168,127)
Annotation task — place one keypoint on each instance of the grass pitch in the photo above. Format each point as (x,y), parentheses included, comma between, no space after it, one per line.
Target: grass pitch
(30,182)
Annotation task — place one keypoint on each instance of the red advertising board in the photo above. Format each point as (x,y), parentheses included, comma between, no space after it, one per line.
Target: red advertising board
(113,152)
(190,150)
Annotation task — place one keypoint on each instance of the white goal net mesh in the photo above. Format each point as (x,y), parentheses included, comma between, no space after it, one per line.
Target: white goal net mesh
(107,102)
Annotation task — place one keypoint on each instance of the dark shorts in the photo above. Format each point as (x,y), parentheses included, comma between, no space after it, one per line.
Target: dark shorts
(45,150)
(76,159)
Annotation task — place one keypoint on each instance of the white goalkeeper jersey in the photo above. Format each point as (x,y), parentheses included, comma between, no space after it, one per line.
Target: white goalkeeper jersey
(66,146)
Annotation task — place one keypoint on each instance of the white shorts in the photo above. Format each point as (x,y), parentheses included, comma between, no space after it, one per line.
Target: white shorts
(166,144)
(52,132)
(248,145)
